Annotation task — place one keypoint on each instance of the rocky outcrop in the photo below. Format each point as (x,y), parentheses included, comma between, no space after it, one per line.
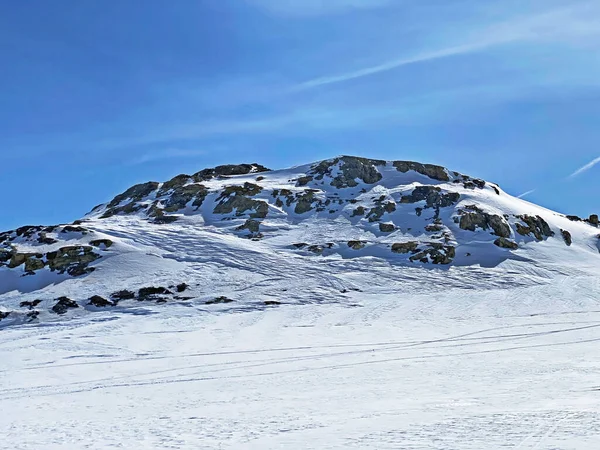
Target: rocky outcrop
(101,243)
(503,242)
(356,245)
(152,293)
(63,305)
(73,259)
(429,170)
(228,171)
(253,226)
(236,198)
(351,168)
(436,254)
(219,300)
(122,295)
(133,194)
(593,220)
(100,302)
(405,247)
(472,218)
(534,225)
(387,227)
(567,237)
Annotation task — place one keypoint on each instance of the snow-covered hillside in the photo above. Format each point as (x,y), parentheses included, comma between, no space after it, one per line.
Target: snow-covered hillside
(346,304)
(243,237)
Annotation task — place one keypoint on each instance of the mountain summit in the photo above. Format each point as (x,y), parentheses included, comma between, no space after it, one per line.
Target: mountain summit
(243,236)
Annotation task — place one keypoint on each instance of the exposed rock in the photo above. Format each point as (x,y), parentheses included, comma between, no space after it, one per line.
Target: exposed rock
(594,220)
(379,210)
(251,225)
(534,225)
(63,305)
(503,242)
(181,196)
(387,227)
(182,287)
(567,237)
(229,170)
(435,172)
(436,253)
(574,218)
(134,194)
(219,300)
(4,314)
(405,247)
(356,245)
(317,249)
(432,196)
(305,201)
(44,239)
(151,293)
(100,302)
(30,305)
(73,259)
(162,220)
(272,303)
(300,245)
(174,183)
(101,243)
(34,263)
(360,211)
(434,228)
(122,295)
(241,204)
(32,315)
(473,218)
(353,168)
(303,181)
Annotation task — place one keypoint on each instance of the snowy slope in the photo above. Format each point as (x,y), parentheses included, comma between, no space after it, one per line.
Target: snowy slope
(348,303)
(318,233)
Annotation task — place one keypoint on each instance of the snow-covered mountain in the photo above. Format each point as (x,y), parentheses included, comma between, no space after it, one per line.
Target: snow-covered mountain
(242,237)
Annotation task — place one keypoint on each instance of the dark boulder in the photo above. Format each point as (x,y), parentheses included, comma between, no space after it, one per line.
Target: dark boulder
(472,218)
(219,300)
(567,237)
(122,295)
(63,304)
(503,242)
(429,170)
(100,302)
(405,247)
(535,225)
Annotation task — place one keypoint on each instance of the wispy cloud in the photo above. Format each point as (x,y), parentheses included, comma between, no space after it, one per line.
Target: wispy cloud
(525,194)
(160,155)
(564,24)
(308,8)
(585,168)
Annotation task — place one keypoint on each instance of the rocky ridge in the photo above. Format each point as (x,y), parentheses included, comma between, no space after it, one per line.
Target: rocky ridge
(403,212)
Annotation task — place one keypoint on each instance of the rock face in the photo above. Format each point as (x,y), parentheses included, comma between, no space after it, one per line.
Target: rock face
(503,242)
(567,237)
(406,247)
(356,245)
(63,305)
(352,168)
(534,225)
(472,218)
(429,170)
(436,254)
(100,302)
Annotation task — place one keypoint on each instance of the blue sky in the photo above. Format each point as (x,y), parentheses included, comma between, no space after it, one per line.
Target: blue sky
(97,96)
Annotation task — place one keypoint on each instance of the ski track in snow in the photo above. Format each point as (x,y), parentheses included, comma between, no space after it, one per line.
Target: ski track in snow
(312,376)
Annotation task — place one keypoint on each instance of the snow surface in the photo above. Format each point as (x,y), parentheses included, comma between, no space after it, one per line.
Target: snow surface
(366,350)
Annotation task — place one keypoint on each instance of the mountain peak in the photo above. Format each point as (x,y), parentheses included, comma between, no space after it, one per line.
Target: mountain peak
(348,210)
